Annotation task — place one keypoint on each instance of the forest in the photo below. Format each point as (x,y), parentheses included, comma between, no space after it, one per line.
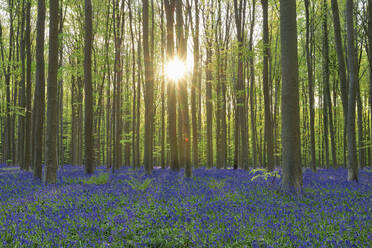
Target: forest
(185,123)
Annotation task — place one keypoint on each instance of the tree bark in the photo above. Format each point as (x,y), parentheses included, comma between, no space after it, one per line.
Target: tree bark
(309,62)
(148,97)
(291,160)
(134,120)
(88,132)
(51,152)
(185,123)
(8,122)
(209,107)
(327,97)
(27,147)
(252,86)
(340,57)
(267,96)
(22,93)
(240,87)
(172,101)
(195,83)
(341,66)
(39,96)
(353,77)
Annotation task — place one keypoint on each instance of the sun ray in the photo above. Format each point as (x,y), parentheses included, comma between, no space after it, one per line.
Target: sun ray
(175,69)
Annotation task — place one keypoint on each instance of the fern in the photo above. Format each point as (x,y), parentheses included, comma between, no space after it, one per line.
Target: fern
(101,179)
(137,185)
(265,174)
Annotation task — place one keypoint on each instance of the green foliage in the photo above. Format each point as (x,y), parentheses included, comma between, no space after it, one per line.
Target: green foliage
(101,179)
(216,184)
(137,185)
(69,180)
(263,173)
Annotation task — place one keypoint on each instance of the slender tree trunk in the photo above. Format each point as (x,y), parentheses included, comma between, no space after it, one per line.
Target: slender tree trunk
(22,94)
(310,84)
(195,83)
(8,122)
(209,108)
(340,57)
(51,152)
(39,96)
(181,149)
(60,90)
(182,53)
(292,173)
(341,66)
(108,93)
(74,121)
(162,135)
(172,101)
(88,132)
(353,77)
(252,86)
(223,112)
(118,17)
(148,97)
(139,82)
(267,96)
(28,88)
(134,120)
(241,95)
(327,94)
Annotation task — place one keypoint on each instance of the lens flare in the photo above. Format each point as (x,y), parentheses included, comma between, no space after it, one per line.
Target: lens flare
(175,69)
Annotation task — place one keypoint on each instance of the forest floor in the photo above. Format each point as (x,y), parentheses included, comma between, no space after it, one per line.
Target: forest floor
(215,208)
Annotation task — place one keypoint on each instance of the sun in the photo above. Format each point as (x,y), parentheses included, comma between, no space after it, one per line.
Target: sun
(175,69)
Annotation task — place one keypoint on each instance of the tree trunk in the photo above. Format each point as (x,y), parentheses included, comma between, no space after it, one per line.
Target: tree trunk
(252,86)
(195,83)
(162,135)
(309,61)
(240,87)
(267,96)
(292,173)
(8,122)
(326,84)
(340,57)
(39,96)
(22,94)
(88,132)
(139,82)
(118,18)
(326,92)
(209,108)
(148,97)
(134,120)
(184,105)
(28,88)
(51,152)
(353,77)
(172,101)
